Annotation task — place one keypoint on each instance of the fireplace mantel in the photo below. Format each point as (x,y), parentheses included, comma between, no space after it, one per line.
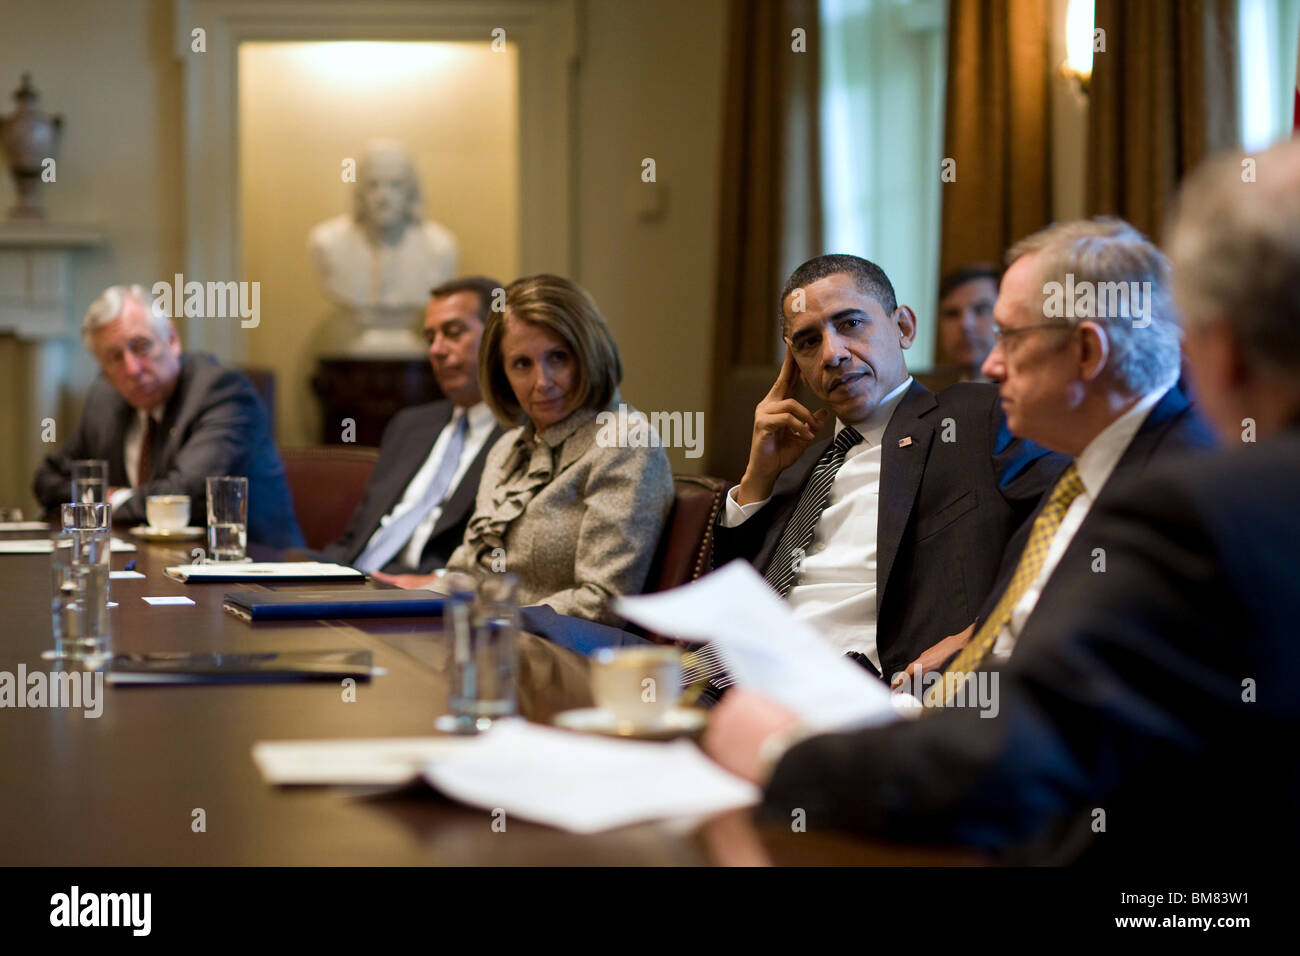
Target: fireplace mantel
(35,274)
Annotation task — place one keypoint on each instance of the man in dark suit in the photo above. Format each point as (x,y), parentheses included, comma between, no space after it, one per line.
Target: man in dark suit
(1149,712)
(165,420)
(431,457)
(889,536)
(1098,385)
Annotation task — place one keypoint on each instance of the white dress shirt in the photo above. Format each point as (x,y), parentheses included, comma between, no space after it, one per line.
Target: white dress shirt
(131,442)
(480,426)
(1095,464)
(835,589)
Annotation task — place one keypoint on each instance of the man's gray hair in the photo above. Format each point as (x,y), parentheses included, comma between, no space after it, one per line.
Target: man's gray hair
(1234,238)
(1111,255)
(113,300)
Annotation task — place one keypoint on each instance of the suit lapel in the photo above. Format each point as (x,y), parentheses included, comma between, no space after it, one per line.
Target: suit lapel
(789,488)
(901,470)
(118,475)
(425,436)
(463,495)
(1078,554)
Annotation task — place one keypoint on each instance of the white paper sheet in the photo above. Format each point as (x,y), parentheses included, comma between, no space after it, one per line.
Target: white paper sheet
(766,647)
(379,761)
(584,783)
(24,526)
(254,570)
(124,575)
(46,545)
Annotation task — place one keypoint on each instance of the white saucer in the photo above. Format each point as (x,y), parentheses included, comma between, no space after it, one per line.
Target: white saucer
(596,720)
(147,533)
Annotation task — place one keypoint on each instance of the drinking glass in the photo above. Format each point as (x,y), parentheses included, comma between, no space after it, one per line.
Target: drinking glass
(79,573)
(483,621)
(227,518)
(89,480)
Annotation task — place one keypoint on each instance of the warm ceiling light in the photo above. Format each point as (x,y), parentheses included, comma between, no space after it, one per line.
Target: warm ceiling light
(1079,42)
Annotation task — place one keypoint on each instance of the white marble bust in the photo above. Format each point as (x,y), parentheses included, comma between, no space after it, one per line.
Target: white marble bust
(378,263)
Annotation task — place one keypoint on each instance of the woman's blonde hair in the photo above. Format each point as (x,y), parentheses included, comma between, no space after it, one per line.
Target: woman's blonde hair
(567,310)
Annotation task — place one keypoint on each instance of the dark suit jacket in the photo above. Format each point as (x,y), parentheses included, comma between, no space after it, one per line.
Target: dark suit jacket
(947,510)
(1172,427)
(406,444)
(1161,693)
(214,424)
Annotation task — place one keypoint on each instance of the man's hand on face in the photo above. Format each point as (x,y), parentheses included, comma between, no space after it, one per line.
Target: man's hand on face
(783,428)
(737,729)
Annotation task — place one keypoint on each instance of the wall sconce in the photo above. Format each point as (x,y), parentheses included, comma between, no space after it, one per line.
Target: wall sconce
(1079,43)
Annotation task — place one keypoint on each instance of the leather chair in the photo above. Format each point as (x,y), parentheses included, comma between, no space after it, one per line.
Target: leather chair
(686,545)
(327,483)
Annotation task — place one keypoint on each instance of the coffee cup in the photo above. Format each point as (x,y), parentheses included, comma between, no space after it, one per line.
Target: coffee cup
(639,686)
(167,512)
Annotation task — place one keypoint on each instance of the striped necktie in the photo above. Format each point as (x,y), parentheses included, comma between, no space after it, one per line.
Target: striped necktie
(798,534)
(385,545)
(1068,487)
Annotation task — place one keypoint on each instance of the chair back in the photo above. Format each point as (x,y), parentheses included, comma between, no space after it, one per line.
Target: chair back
(686,543)
(327,483)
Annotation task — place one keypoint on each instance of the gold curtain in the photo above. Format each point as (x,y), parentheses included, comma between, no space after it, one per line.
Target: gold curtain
(1164,95)
(770,213)
(996,128)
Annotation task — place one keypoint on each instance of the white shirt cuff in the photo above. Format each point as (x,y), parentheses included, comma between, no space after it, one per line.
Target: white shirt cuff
(120,497)
(738,514)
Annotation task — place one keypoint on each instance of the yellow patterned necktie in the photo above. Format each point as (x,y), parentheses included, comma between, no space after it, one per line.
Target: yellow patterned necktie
(1068,487)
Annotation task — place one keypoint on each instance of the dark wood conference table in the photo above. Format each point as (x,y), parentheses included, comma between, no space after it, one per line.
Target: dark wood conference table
(121,789)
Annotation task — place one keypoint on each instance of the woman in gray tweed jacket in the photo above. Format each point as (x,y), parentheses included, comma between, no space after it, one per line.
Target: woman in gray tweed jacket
(561,503)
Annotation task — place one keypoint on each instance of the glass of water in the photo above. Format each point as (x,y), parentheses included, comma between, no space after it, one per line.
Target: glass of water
(482,619)
(79,573)
(89,480)
(227,518)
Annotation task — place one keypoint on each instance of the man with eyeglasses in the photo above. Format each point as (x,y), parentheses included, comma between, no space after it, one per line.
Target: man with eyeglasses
(165,420)
(1086,358)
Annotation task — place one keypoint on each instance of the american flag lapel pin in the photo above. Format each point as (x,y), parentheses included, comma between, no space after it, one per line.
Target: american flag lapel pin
(904,442)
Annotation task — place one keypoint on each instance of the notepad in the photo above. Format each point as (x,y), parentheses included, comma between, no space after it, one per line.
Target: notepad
(314,605)
(264,571)
(384,761)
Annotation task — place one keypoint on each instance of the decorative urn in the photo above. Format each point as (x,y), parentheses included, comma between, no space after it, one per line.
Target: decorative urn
(29,138)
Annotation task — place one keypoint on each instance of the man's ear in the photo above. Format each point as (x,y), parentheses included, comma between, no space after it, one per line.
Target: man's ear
(1094,350)
(173,339)
(905,319)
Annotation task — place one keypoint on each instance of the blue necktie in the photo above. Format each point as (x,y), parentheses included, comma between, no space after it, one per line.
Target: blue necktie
(395,535)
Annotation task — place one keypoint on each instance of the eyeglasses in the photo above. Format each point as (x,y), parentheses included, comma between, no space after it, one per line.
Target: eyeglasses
(1001,334)
(141,346)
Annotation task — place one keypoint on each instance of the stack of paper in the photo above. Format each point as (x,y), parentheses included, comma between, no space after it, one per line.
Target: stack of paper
(577,782)
(255,571)
(584,783)
(766,647)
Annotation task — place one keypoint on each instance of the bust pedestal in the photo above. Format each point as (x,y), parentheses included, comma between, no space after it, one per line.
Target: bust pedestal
(370,392)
